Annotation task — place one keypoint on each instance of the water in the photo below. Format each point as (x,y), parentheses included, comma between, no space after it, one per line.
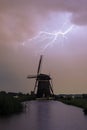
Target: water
(46,115)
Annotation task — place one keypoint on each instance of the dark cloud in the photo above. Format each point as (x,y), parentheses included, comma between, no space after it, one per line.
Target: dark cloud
(20,19)
(75,7)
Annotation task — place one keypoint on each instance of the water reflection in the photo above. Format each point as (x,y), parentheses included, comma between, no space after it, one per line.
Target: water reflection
(43,115)
(46,115)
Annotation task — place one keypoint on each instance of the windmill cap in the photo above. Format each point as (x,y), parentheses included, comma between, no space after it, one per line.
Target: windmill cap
(43,77)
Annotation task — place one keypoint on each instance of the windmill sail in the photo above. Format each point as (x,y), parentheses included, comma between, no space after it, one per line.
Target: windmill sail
(31,76)
(39,66)
(38,72)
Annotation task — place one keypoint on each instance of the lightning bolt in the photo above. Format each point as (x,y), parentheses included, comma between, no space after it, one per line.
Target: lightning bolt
(50,37)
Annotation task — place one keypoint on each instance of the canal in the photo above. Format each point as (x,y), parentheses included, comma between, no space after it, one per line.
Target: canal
(46,115)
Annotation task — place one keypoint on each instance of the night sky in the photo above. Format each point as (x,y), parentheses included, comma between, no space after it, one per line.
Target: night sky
(65,59)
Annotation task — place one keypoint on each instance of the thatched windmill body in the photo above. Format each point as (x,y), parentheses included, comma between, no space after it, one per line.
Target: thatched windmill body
(43,84)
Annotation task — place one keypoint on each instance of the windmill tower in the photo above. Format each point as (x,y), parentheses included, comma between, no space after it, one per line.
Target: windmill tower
(43,83)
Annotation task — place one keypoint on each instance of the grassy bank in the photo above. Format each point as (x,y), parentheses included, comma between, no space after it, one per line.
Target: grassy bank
(9,105)
(79,102)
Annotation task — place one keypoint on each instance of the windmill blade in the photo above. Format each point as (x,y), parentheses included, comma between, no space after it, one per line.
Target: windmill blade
(35,85)
(39,66)
(38,72)
(31,76)
(51,87)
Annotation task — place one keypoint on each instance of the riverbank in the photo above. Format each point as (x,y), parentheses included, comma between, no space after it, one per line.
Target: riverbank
(79,102)
(9,105)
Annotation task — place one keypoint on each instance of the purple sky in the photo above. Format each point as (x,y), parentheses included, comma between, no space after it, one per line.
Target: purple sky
(65,60)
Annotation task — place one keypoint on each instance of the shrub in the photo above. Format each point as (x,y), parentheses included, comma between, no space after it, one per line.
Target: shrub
(9,105)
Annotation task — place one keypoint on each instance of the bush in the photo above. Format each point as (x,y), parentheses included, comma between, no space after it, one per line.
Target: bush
(9,105)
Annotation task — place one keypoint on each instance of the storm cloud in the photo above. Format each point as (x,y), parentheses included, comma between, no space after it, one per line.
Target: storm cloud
(21,20)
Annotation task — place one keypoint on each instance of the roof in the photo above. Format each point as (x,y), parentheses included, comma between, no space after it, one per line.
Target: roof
(43,77)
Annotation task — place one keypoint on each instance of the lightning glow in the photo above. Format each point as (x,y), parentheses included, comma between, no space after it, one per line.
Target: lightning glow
(50,38)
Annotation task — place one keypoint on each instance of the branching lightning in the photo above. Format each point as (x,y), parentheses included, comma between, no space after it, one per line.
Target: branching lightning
(50,37)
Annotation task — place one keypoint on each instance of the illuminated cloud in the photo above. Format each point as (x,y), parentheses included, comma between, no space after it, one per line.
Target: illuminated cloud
(21,18)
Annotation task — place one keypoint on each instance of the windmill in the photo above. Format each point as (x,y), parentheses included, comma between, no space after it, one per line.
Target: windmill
(43,84)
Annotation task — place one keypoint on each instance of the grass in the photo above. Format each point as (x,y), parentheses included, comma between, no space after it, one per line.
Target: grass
(9,105)
(79,102)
